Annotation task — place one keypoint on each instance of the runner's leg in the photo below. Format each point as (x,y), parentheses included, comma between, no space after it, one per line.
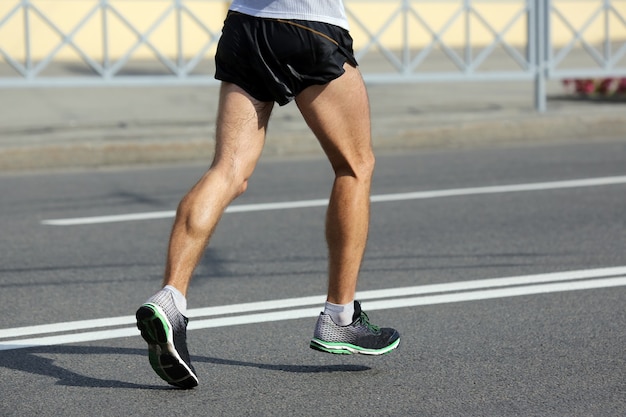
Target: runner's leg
(240,135)
(338,114)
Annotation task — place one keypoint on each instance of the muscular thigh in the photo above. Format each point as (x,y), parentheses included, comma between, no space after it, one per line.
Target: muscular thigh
(240,133)
(338,114)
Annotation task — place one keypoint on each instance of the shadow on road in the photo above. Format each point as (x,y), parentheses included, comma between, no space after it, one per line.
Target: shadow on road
(34,361)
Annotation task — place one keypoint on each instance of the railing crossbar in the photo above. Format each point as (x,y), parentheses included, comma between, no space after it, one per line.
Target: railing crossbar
(437,40)
(374,39)
(10,14)
(143,39)
(578,36)
(499,39)
(539,62)
(13,63)
(66,40)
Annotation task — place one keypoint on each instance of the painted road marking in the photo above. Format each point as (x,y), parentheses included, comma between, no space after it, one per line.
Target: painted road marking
(303,307)
(513,188)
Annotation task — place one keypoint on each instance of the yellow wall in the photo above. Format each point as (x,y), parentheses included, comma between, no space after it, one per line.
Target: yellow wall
(66,14)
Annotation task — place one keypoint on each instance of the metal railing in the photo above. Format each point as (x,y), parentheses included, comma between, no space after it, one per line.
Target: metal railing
(519,44)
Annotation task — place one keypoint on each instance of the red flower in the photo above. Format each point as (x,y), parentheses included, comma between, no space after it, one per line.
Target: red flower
(604,87)
(585,86)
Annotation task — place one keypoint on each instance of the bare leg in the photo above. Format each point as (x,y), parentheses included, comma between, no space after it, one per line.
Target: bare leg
(338,114)
(241,126)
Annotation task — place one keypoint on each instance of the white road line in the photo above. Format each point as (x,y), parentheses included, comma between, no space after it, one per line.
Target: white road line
(382,299)
(540,186)
(319,299)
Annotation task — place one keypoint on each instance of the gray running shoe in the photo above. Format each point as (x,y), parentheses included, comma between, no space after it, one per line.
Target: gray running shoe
(165,330)
(358,337)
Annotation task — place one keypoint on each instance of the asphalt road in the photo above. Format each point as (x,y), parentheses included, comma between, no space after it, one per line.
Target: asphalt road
(508,266)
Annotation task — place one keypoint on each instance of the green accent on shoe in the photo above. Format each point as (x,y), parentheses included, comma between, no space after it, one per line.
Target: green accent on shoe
(155,337)
(163,356)
(360,336)
(349,349)
(166,327)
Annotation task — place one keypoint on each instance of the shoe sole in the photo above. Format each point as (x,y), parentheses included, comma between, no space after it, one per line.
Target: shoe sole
(339,348)
(156,330)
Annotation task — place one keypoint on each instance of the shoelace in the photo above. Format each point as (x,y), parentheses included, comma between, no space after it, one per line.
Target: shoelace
(365,321)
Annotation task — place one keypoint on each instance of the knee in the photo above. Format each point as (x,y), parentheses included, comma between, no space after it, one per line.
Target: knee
(361,168)
(368,163)
(242,187)
(204,204)
(235,186)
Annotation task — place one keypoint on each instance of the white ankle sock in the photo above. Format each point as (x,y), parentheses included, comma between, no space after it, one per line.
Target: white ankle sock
(179,299)
(340,313)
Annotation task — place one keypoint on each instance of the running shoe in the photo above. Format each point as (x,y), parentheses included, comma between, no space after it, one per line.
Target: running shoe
(360,336)
(165,330)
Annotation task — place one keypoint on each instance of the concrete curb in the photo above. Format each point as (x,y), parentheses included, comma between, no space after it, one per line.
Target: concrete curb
(109,146)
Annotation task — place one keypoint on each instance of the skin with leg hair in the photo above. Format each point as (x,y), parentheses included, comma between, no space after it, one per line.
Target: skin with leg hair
(241,125)
(338,115)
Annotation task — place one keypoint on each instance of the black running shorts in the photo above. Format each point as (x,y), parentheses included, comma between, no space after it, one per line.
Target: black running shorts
(275,59)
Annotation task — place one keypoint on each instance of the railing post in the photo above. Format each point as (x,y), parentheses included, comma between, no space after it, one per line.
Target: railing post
(607,32)
(406,49)
(106,61)
(28,61)
(467,11)
(542,39)
(180,60)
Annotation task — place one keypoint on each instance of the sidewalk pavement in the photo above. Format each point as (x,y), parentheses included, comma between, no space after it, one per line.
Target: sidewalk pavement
(60,128)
